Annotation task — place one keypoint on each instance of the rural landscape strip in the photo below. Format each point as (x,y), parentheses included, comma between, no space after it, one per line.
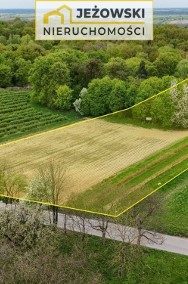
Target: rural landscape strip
(91,119)
(76,147)
(137,181)
(125,188)
(95,212)
(119,232)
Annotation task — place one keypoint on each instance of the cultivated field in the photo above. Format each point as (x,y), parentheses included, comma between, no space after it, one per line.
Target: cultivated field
(91,152)
(19,117)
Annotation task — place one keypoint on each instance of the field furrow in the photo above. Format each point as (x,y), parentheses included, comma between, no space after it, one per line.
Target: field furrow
(94,151)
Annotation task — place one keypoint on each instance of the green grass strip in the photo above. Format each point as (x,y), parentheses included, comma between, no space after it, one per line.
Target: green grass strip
(117,189)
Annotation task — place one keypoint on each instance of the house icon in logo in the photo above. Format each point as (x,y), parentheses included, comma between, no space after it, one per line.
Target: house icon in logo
(58,13)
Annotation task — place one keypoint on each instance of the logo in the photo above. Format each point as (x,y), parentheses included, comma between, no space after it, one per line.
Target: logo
(95,20)
(58,13)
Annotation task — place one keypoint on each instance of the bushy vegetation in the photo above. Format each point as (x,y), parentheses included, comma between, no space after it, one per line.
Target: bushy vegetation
(34,253)
(18,116)
(168,110)
(116,75)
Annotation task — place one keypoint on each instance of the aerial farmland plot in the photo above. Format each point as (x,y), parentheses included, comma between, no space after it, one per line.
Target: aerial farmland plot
(110,163)
(92,152)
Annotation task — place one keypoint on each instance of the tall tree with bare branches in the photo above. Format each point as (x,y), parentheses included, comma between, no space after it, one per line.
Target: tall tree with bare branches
(48,185)
(11,182)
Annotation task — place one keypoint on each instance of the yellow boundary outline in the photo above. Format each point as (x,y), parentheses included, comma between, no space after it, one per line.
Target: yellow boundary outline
(3,144)
(85,121)
(94,212)
(151,193)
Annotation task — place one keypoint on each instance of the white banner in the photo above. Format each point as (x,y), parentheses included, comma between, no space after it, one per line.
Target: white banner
(94,20)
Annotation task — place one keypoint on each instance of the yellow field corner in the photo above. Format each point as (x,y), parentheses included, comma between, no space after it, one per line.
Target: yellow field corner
(93,212)
(79,123)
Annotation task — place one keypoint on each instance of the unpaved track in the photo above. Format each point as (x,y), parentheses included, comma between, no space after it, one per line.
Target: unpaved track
(91,151)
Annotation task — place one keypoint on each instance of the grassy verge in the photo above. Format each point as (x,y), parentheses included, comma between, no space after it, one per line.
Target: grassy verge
(172,217)
(157,266)
(130,121)
(122,190)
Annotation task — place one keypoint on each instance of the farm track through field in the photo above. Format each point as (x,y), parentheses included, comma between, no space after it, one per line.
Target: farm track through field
(91,152)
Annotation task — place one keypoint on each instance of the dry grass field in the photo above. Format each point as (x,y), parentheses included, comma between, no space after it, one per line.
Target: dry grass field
(91,152)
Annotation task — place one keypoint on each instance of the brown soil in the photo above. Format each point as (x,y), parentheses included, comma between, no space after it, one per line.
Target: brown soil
(91,151)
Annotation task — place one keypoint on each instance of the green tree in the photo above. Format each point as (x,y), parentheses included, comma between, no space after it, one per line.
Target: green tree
(168,81)
(26,39)
(74,59)
(133,65)
(22,71)
(159,113)
(63,99)
(148,88)
(5,76)
(30,51)
(99,54)
(3,40)
(142,72)
(91,69)
(96,101)
(117,95)
(47,75)
(116,68)
(182,69)
(14,39)
(167,61)
(140,112)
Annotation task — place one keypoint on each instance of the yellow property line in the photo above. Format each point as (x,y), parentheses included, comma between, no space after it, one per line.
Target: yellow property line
(151,193)
(3,144)
(81,122)
(94,212)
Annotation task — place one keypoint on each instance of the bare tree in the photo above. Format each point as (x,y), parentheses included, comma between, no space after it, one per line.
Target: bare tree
(139,217)
(79,224)
(11,183)
(48,186)
(131,231)
(100,225)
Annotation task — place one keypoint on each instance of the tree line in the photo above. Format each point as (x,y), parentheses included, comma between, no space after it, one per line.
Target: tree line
(94,77)
(39,251)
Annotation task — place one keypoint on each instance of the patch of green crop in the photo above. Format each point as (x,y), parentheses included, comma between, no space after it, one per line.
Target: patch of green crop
(127,187)
(19,117)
